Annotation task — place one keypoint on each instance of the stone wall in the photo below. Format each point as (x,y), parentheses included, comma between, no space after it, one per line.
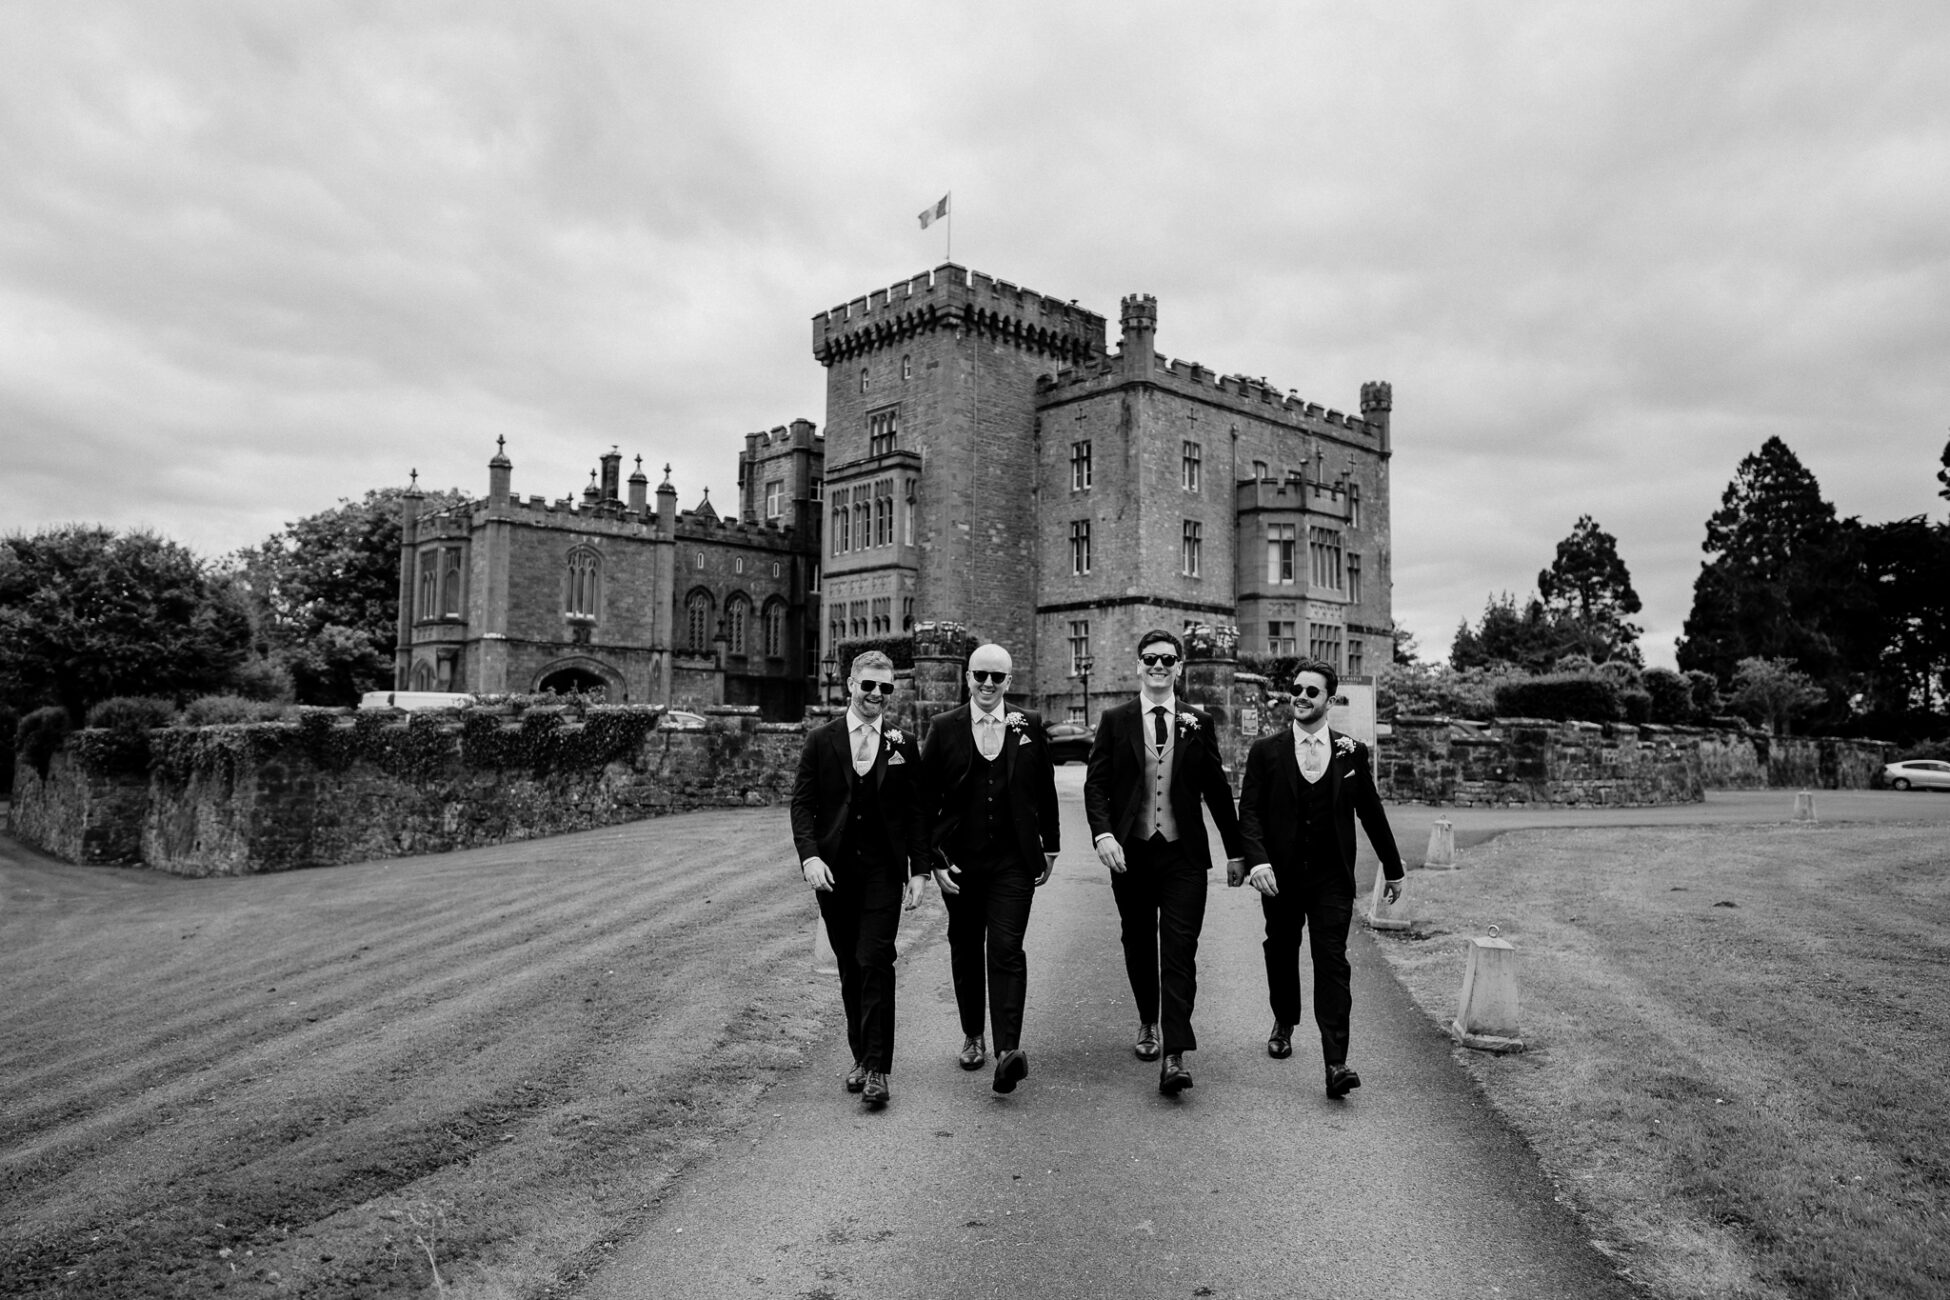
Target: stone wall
(1531,761)
(273,806)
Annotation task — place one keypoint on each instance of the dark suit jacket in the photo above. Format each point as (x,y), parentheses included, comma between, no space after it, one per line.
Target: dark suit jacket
(823,792)
(1114,784)
(1269,817)
(948,761)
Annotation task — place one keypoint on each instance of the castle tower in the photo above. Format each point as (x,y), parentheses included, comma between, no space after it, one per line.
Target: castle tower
(940,369)
(612,475)
(1138,321)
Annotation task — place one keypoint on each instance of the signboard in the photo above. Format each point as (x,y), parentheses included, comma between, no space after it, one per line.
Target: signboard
(1352,711)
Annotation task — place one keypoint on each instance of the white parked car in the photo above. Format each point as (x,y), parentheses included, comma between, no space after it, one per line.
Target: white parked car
(413,701)
(1917,774)
(683,720)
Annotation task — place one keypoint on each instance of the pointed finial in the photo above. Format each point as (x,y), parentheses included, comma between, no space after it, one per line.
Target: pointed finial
(639,464)
(500,443)
(666,471)
(413,477)
(707,494)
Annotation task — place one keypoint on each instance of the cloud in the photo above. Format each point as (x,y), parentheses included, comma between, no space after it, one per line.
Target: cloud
(255,259)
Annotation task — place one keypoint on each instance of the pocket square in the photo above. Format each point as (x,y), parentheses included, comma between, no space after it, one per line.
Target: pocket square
(896,760)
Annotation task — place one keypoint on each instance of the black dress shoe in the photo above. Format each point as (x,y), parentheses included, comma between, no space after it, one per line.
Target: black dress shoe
(1341,1081)
(874,1094)
(1174,1077)
(856,1078)
(1011,1067)
(1279,1043)
(973,1053)
(1147,1043)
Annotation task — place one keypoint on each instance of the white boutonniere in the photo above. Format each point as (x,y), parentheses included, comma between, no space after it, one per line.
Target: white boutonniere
(1016,722)
(1188,722)
(893,735)
(1344,743)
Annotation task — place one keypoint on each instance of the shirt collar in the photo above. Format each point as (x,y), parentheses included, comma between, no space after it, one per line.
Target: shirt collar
(1145,706)
(1301,735)
(977,712)
(854,722)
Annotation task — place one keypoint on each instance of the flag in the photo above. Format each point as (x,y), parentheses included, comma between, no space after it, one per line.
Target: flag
(934,213)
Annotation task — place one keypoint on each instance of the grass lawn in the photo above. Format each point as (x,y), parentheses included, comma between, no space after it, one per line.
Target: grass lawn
(334,1082)
(1739,1064)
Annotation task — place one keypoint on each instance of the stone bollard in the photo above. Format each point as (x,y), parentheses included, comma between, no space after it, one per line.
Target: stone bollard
(1804,806)
(1442,846)
(824,962)
(1382,914)
(1487,1018)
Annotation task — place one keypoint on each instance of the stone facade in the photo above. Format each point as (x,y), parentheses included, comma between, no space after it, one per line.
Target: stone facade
(652,604)
(1060,499)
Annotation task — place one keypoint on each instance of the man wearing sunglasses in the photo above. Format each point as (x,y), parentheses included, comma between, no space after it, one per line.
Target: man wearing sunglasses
(992,793)
(858,825)
(1153,762)
(1304,787)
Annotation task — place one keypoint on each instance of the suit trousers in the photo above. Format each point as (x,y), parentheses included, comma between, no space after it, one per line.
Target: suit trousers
(862,912)
(1160,899)
(1325,918)
(986,921)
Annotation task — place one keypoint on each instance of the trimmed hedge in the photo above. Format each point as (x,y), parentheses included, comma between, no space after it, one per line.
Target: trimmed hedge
(1567,697)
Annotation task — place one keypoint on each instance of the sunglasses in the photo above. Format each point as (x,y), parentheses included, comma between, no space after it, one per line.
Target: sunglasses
(1311,692)
(868,688)
(1158,661)
(984,676)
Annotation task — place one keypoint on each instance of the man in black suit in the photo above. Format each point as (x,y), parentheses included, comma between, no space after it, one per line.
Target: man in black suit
(1153,761)
(992,798)
(858,825)
(1304,787)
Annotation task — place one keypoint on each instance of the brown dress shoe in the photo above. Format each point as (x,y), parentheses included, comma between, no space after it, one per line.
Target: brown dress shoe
(1011,1067)
(1279,1043)
(874,1094)
(1341,1081)
(856,1078)
(1173,1077)
(1147,1043)
(973,1053)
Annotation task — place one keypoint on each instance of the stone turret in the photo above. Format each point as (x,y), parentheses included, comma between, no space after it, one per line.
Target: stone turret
(612,475)
(1377,400)
(639,488)
(1139,322)
(501,472)
(667,504)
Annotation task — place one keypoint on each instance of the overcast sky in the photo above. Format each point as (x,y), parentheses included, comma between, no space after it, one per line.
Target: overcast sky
(258,257)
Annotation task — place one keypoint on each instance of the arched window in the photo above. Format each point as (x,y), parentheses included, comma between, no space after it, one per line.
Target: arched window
(863,379)
(907,367)
(422,676)
(737,618)
(429,602)
(697,615)
(585,569)
(774,621)
(450,583)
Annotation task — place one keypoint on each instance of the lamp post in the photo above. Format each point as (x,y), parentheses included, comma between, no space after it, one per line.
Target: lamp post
(831,664)
(1083,671)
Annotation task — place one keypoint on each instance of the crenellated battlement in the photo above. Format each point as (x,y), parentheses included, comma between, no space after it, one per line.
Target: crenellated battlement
(801,434)
(951,297)
(1245,393)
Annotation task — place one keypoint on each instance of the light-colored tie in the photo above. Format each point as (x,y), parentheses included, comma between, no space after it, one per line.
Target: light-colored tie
(863,752)
(991,739)
(1315,763)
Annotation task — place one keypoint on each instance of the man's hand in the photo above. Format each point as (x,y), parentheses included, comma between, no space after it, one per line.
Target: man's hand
(911,896)
(1110,853)
(946,879)
(817,874)
(1392,889)
(1049,865)
(1235,872)
(1261,878)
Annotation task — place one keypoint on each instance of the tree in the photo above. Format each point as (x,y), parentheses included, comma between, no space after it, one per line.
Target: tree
(1588,592)
(1524,636)
(87,613)
(324,594)
(1773,691)
(1943,475)
(1782,579)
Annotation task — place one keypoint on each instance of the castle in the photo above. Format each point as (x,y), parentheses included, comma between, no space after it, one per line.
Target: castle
(986,460)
